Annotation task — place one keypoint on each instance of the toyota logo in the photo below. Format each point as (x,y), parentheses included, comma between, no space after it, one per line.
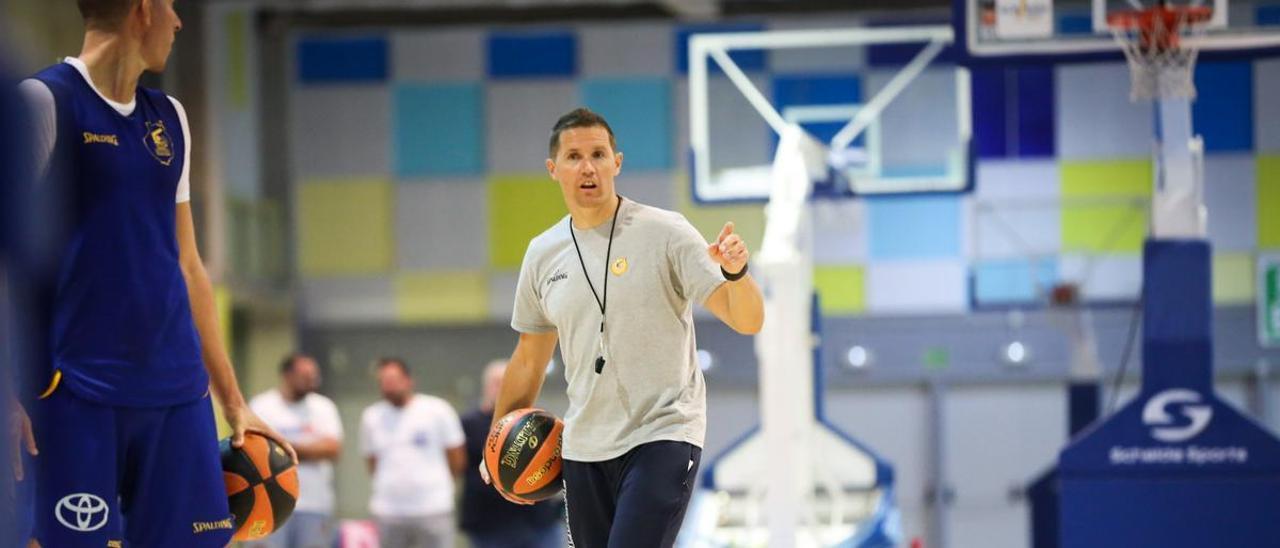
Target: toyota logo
(82,512)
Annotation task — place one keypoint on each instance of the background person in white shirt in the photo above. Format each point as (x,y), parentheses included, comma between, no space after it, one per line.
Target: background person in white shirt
(311,423)
(415,449)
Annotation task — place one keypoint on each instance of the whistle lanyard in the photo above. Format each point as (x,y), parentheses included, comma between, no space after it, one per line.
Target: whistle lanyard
(601,302)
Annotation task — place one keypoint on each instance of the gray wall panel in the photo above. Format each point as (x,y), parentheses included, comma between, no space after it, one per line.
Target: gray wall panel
(341,131)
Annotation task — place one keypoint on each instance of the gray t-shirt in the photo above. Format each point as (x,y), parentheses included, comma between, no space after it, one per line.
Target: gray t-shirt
(651,388)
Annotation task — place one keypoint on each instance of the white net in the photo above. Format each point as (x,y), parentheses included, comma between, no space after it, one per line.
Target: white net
(1161,45)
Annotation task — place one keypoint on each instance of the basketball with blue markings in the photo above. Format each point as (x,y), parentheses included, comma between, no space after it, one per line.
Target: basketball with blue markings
(522,454)
(262,485)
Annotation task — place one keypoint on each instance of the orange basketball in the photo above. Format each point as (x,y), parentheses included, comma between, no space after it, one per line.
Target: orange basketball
(522,454)
(262,485)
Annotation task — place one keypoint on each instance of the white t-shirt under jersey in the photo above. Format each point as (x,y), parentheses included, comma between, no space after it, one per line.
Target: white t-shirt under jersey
(412,477)
(45,119)
(308,420)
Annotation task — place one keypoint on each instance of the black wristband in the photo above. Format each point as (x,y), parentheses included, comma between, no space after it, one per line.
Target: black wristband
(734,277)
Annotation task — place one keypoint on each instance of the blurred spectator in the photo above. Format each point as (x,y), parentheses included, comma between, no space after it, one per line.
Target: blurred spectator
(488,520)
(414,446)
(311,423)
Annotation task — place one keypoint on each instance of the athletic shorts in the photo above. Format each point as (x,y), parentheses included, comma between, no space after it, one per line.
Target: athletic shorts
(128,477)
(636,500)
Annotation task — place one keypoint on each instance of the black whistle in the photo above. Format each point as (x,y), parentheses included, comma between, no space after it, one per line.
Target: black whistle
(599,364)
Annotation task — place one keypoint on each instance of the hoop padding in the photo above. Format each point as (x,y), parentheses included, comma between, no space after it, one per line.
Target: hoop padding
(1155,42)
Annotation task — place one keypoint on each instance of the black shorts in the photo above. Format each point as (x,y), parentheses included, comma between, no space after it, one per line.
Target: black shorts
(637,499)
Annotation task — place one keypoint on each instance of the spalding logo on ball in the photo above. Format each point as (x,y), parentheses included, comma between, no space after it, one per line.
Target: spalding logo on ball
(262,485)
(522,454)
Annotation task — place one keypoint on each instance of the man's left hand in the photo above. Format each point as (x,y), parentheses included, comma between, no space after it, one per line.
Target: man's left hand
(729,251)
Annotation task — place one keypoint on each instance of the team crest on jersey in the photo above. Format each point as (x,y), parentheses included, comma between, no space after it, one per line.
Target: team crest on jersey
(158,142)
(619,266)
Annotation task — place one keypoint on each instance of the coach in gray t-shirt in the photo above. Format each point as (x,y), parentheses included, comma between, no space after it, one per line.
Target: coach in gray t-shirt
(614,283)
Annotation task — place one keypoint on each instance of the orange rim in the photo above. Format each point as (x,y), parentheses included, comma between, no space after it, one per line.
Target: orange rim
(1145,19)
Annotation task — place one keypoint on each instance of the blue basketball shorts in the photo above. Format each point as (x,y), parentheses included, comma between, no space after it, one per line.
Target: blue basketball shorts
(128,477)
(637,500)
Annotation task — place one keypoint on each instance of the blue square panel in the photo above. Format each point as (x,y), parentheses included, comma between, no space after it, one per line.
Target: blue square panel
(439,130)
(1035,111)
(1223,110)
(533,55)
(747,60)
(639,111)
(342,60)
(1075,23)
(1012,281)
(1268,15)
(915,227)
(990,86)
(1013,111)
(817,89)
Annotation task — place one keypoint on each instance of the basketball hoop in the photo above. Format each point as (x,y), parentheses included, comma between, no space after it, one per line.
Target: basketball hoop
(1160,58)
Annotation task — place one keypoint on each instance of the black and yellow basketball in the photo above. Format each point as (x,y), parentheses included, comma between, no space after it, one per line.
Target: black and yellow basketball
(262,485)
(522,454)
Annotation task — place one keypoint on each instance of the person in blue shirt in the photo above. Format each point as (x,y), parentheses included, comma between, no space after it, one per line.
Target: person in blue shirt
(128,449)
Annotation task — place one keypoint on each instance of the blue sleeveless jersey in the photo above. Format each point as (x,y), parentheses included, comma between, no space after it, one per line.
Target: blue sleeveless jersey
(122,332)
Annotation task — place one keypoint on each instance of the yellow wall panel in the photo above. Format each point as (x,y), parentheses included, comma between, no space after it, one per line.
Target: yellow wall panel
(1233,278)
(1268,202)
(344,227)
(442,297)
(842,289)
(520,207)
(1096,216)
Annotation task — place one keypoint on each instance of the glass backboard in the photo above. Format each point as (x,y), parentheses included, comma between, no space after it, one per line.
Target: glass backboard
(1066,30)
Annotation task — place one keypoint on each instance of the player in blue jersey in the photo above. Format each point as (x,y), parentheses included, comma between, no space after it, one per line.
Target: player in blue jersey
(127,443)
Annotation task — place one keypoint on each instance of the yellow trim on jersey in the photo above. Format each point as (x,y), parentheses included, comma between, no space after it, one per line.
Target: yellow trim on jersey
(53,385)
